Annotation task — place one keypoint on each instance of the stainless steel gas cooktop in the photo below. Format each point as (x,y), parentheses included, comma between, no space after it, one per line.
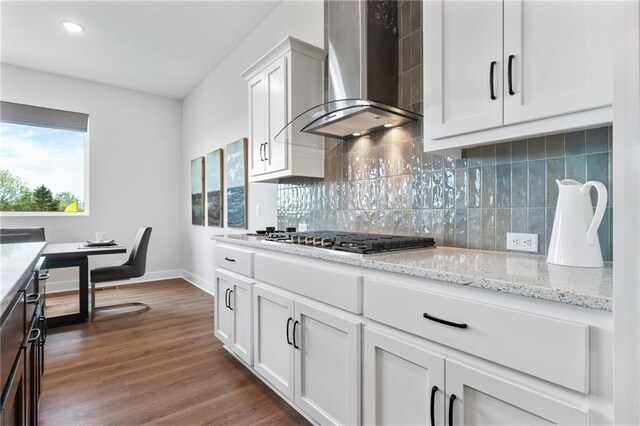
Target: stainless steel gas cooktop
(352,242)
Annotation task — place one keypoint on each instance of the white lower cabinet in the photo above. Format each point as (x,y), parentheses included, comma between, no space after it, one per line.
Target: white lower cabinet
(403,383)
(273,347)
(310,353)
(407,384)
(476,397)
(233,313)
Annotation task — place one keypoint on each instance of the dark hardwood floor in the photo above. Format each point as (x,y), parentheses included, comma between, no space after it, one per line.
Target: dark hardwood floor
(161,367)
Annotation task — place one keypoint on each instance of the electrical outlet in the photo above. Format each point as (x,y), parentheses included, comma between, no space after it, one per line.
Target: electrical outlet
(258,209)
(302,227)
(522,242)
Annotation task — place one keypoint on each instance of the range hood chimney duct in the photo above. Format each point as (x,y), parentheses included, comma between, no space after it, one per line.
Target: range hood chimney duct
(363,44)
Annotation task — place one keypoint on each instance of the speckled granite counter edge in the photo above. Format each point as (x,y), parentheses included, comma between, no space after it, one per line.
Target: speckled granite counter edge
(527,290)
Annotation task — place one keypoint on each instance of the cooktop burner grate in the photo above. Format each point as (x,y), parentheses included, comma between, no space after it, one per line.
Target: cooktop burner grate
(353,242)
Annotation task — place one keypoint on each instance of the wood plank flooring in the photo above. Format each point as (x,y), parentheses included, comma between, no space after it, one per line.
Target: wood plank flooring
(161,367)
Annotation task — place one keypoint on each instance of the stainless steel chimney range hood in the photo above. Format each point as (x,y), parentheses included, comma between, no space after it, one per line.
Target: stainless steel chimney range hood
(363,81)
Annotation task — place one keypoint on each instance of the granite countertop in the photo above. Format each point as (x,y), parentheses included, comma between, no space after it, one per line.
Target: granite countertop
(16,263)
(519,274)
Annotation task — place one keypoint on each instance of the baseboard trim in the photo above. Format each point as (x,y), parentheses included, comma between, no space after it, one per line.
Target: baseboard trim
(72,285)
(199,282)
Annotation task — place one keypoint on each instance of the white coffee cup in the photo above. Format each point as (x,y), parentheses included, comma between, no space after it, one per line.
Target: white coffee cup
(100,237)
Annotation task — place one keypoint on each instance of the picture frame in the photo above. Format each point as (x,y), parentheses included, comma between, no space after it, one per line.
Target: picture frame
(214,188)
(235,176)
(197,191)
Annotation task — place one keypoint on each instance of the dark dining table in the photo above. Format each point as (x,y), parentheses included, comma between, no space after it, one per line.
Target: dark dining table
(68,255)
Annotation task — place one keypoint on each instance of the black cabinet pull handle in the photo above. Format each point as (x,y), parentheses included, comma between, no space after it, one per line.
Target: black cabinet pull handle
(433,400)
(265,151)
(230,293)
(491,69)
(295,324)
(36,337)
(33,298)
(288,322)
(261,146)
(445,322)
(226,298)
(451,399)
(228,259)
(510,75)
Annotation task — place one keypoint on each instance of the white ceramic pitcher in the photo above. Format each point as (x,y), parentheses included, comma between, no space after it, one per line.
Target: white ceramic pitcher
(574,239)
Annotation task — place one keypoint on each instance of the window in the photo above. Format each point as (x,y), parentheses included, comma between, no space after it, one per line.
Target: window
(43,161)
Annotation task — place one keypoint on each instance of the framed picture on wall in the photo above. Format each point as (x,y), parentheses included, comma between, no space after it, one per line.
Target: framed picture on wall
(235,172)
(214,185)
(197,191)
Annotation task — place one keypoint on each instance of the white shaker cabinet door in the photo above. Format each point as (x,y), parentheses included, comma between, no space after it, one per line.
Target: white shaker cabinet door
(464,66)
(327,361)
(475,397)
(240,301)
(403,383)
(559,57)
(222,313)
(276,91)
(273,347)
(257,125)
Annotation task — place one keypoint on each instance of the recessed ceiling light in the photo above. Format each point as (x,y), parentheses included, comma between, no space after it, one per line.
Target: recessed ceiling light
(356,134)
(72,27)
(388,125)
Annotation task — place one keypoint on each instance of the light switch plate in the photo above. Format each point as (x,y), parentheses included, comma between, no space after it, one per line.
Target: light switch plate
(302,227)
(522,242)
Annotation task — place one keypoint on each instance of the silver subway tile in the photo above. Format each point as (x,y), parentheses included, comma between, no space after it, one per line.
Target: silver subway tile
(503,153)
(536,148)
(537,218)
(448,220)
(519,150)
(488,155)
(475,180)
(449,163)
(503,225)
(437,189)
(519,220)
(474,228)
(574,143)
(488,186)
(462,184)
(597,140)
(488,229)
(537,183)
(503,185)
(554,145)
(474,156)
(437,162)
(449,187)
(416,191)
(437,226)
(416,222)
(461,228)
(427,216)
(406,191)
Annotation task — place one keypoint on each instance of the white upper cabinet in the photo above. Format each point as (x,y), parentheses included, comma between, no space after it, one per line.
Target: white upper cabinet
(282,84)
(465,66)
(497,70)
(560,55)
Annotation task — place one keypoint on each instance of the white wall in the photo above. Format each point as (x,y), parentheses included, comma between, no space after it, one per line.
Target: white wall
(135,162)
(216,113)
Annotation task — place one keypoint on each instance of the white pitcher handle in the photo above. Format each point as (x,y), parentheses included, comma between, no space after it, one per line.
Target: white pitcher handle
(592,232)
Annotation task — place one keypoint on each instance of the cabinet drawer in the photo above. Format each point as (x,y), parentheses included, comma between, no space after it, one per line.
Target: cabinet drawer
(11,337)
(333,287)
(235,259)
(551,349)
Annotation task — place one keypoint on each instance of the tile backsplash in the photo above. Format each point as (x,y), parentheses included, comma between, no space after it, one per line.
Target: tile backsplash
(463,198)
(467,198)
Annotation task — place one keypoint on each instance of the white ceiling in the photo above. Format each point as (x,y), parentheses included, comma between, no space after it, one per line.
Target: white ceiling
(165,48)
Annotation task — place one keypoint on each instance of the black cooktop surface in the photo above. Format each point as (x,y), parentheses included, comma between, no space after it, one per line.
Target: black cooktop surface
(353,242)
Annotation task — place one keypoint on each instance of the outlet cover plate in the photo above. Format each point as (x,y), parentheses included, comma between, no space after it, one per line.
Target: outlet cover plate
(522,242)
